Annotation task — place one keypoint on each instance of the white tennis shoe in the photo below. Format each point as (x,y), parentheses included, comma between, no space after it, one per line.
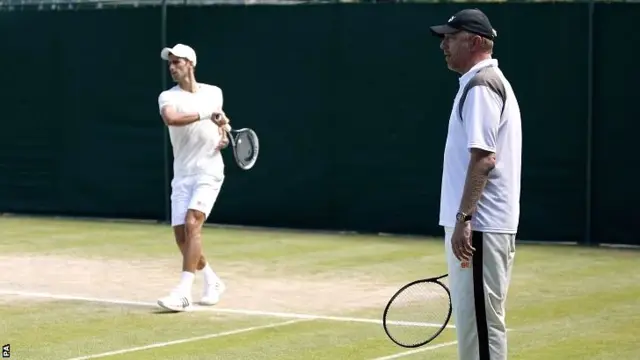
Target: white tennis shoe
(212,292)
(176,302)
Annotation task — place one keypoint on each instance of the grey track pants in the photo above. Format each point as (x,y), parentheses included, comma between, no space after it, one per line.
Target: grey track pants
(478,295)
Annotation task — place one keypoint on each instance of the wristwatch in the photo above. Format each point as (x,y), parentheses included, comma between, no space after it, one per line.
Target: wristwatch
(462,217)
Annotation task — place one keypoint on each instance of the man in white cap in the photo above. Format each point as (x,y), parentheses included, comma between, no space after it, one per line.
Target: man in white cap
(193,114)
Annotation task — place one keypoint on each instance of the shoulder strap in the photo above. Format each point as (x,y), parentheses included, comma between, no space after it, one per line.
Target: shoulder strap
(484,77)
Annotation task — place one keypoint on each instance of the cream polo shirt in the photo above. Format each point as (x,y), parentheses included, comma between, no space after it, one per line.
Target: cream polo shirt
(485,115)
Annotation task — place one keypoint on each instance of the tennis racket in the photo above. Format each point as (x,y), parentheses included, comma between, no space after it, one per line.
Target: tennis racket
(418,312)
(245,146)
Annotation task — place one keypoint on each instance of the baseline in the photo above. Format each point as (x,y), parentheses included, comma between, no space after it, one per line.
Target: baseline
(218,310)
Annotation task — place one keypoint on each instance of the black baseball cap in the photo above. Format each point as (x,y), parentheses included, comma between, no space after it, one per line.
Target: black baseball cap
(471,20)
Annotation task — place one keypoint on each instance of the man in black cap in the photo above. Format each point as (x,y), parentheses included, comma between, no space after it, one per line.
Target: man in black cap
(480,195)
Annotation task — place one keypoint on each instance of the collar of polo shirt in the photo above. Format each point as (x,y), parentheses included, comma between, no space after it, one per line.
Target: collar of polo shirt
(482,64)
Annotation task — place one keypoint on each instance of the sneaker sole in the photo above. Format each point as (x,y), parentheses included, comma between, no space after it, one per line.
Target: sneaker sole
(173,308)
(208,302)
(204,301)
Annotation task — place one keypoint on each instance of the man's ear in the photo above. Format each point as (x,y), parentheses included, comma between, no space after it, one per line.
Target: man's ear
(477,41)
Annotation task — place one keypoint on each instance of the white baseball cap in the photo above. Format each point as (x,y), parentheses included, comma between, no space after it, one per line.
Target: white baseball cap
(179,50)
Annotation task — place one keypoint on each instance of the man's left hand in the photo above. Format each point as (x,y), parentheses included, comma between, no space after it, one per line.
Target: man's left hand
(220,119)
(461,241)
(224,139)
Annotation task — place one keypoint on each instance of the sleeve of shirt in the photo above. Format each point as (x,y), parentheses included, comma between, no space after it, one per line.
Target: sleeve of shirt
(219,99)
(163,100)
(481,114)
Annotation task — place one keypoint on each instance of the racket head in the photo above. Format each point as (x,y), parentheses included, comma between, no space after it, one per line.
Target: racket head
(418,312)
(246,147)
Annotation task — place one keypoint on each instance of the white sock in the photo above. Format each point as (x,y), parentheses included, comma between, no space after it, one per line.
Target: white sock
(210,277)
(186,282)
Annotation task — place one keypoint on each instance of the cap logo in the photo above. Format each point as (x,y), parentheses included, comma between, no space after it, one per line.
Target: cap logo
(451,19)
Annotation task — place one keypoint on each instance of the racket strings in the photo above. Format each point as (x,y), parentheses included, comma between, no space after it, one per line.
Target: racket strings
(245,146)
(418,314)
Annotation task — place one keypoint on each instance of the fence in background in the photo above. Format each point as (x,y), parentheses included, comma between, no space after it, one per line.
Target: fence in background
(351,103)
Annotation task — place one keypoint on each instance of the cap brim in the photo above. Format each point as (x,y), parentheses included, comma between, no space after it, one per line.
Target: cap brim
(442,30)
(164,54)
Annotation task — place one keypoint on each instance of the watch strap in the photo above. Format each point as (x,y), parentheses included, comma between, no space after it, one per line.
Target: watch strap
(462,217)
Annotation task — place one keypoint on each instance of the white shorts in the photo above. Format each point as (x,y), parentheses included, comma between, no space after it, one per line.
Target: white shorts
(197,192)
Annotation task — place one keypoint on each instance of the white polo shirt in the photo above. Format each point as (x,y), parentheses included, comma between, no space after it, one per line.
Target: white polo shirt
(194,144)
(490,121)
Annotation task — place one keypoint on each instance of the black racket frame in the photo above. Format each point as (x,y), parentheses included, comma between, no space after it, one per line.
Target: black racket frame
(435,280)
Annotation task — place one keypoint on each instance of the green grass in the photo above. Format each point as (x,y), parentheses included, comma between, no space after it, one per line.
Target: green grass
(56,330)
(565,302)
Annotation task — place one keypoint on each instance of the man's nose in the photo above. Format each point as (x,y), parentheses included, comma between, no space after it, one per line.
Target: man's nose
(442,45)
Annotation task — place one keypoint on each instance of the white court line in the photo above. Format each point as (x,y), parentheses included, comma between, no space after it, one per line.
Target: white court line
(182,341)
(217,310)
(416,351)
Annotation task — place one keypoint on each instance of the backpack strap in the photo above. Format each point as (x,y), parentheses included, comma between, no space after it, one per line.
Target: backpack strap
(488,77)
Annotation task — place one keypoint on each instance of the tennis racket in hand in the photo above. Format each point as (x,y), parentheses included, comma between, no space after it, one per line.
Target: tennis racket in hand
(418,312)
(245,145)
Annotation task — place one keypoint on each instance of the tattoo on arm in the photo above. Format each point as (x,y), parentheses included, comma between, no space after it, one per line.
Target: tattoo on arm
(480,165)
